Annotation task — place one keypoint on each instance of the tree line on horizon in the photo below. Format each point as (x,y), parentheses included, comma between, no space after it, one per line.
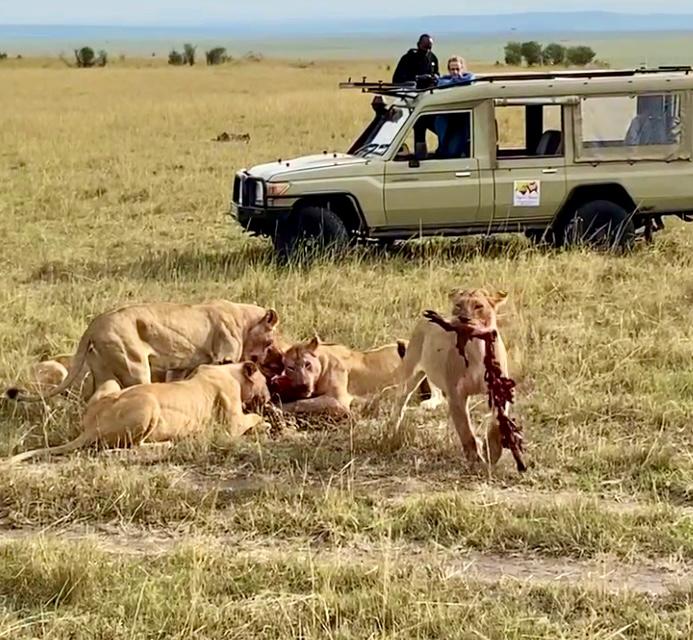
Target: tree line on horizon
(553,54)
(531,53)
(86,57)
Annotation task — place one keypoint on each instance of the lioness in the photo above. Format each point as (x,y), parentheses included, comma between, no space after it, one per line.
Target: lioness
(127,344)
(46,375)
(432,352)
(168,411)
(327,377)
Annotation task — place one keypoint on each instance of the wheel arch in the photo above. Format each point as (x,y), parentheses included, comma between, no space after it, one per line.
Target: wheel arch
(582,195)
(343,204)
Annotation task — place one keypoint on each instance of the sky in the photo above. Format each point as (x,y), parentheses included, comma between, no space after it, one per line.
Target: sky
(209,12)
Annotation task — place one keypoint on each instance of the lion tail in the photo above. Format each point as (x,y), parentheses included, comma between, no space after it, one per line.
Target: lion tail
(81,441)
(76,370)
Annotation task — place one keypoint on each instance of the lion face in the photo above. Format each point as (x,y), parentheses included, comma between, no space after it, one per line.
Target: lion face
(254,391)
(302,367)
(477,306)
(260,338)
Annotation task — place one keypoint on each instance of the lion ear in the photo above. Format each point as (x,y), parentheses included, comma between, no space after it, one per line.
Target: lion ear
(498,299)
(454,293)
(271,318)
(313,343)
(249,369)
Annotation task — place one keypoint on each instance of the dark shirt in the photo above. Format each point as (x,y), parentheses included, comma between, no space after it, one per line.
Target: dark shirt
(415,62)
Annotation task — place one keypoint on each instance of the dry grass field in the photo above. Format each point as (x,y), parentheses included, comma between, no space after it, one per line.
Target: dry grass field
(113,192)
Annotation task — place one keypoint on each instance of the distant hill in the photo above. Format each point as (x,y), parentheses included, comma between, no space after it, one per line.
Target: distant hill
(547,22)
(538,22)
(619,38)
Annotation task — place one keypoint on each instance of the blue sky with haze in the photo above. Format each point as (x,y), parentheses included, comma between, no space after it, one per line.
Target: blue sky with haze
(182,12)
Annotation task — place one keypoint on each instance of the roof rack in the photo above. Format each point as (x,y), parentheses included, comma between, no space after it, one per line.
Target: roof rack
(413,88)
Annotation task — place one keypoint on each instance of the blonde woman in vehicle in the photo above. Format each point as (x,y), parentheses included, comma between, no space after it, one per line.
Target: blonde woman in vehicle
(456,67)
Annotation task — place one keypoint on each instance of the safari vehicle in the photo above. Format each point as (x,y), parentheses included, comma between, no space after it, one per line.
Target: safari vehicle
(592,156)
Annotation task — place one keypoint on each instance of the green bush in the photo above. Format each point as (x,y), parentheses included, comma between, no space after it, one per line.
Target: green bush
(554,54)
(217,55)
(176,58)
(513,53)
(580,56)
(189,54)
(85,57)
(531,52)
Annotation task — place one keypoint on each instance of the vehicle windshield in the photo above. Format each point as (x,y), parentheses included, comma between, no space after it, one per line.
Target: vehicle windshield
(383,132)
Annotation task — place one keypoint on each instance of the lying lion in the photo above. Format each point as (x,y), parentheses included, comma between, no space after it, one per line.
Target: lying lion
(46,375)
(49,374)
(325,378)
(432,352)
(129,344)
(169,411)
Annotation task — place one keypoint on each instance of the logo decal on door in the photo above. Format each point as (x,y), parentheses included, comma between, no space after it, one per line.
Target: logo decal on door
(526,193)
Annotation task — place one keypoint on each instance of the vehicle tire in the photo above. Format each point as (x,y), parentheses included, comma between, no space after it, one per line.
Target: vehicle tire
(600,224)
(308,232)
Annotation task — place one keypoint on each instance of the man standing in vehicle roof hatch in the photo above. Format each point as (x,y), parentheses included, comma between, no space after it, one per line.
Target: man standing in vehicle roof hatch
(417,62)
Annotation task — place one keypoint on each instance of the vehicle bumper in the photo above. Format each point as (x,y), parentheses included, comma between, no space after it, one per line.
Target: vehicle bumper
(253,210)
(260,220)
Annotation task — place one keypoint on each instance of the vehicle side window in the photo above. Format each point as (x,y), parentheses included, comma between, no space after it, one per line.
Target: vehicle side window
(439,136)
(529,131)
(629,121)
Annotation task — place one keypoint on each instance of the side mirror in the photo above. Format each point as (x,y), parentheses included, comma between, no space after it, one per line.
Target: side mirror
(403,153)
(420,153)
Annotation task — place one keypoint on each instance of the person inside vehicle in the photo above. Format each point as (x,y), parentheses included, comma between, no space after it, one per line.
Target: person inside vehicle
(453,132)
(420,61)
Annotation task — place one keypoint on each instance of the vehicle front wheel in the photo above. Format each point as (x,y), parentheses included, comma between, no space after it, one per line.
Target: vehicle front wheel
(308,232)
(600,224)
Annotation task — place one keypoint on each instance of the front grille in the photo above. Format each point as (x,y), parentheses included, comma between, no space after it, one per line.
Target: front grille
(237,182)
(248,191)
(244,190)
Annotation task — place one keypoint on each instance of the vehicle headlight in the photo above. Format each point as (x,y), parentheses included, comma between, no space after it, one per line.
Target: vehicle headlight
(276,189)
(259,193)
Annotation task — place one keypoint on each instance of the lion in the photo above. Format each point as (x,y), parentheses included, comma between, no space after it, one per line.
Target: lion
(325,378)
(129,344)
(49,374)
(432,352)
(46,375)
(168,411)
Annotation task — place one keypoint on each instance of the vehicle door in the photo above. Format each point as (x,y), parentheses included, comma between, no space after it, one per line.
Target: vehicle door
(530,171)
(433,182)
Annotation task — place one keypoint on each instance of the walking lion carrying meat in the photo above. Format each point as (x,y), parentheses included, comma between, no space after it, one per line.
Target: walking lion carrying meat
(433,352)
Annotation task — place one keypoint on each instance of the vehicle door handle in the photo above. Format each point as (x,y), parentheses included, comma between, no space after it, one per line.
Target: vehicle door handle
(549,171)
(463,174)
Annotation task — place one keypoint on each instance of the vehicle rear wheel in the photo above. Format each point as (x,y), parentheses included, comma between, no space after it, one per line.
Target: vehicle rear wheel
(308,232)
(600,224)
